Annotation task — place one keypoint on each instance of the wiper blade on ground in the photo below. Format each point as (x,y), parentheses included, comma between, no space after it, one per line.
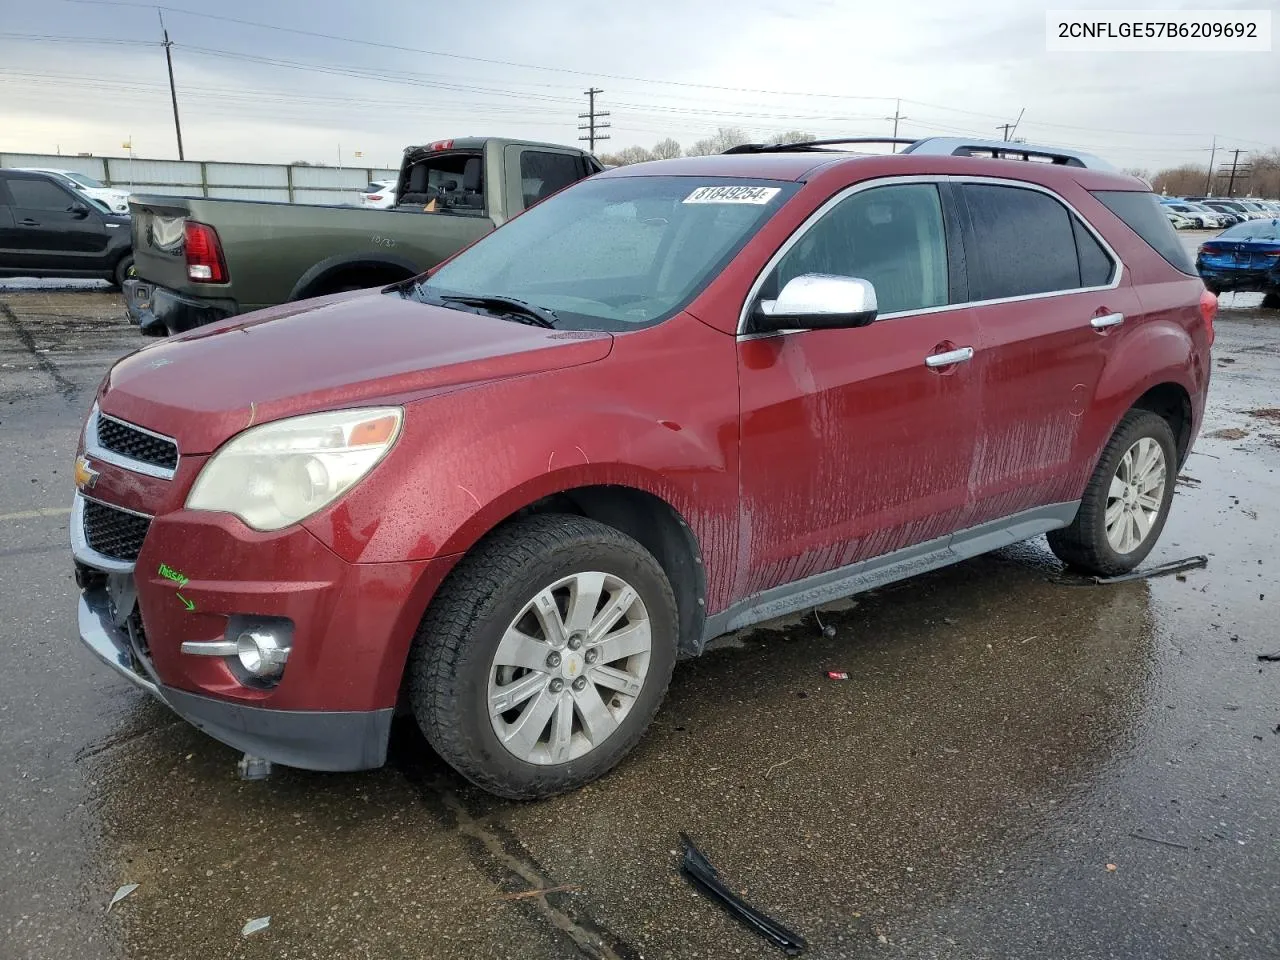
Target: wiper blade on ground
(520,310)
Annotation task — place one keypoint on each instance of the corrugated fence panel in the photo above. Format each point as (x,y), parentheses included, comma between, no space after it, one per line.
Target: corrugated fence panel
(162,189)
(246,175)
(125,171)
(331,178)
(89,166)
(276,195)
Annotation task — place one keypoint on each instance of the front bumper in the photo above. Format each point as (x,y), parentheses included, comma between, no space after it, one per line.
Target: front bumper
(159,311)
(310,739)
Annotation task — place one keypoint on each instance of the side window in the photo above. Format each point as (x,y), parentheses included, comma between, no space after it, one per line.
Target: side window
(1096,265)
(1025,243)
(38,195)
(892,236)
(542,174)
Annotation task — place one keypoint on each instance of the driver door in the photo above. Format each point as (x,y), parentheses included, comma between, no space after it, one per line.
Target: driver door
(48,232)
(853,444)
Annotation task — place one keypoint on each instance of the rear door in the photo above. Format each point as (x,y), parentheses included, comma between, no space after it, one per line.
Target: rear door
(858,443)
(54,229)
(1051,300)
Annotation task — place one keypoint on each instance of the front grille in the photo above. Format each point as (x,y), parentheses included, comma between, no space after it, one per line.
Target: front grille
(129,441)
(114,533)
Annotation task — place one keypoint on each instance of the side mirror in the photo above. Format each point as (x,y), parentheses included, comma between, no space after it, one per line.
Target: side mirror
(817,301)
(78,210)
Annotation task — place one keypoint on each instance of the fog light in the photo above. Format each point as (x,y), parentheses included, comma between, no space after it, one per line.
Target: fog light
(261,652)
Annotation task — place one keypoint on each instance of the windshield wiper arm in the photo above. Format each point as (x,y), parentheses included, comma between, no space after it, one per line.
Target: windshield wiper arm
(524,311)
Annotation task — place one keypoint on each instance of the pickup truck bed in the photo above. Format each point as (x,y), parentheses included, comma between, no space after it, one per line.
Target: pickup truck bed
(199,260)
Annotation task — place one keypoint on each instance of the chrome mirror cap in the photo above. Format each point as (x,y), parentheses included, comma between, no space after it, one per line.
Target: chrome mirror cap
(816,300)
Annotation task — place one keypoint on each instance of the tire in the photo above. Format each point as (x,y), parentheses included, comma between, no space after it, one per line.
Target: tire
(124,271)
(1271,300)
(1086,544)
(454,666)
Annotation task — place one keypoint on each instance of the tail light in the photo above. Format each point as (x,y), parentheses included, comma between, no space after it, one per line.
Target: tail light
(1208,310)
(441,145)
(373,197)
(205,263)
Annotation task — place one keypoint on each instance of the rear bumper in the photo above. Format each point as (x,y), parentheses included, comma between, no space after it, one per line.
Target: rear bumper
(159,311)
(1245,281)
(309,739)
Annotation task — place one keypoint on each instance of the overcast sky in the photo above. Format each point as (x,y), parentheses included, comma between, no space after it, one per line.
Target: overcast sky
(677,68)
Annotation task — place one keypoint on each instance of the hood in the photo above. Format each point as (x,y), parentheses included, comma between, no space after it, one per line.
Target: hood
(351,349)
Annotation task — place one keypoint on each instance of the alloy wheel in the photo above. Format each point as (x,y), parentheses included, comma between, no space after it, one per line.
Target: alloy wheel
(1136,495)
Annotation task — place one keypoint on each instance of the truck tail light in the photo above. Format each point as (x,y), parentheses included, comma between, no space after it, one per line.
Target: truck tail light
(1208,310)
(441,145)
(205,263)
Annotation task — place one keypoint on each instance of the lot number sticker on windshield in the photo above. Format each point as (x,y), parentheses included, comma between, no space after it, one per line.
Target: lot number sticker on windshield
(756,195)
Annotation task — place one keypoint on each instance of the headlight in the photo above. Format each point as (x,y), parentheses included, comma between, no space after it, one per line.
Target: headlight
(279,473)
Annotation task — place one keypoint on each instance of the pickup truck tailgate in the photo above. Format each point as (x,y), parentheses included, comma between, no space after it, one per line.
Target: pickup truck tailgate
(159,250)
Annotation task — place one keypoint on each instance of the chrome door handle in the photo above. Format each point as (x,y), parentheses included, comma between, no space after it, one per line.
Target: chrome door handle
(950,357)
(1110,320)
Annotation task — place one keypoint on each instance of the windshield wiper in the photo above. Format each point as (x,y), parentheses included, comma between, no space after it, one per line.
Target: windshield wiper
(521,311)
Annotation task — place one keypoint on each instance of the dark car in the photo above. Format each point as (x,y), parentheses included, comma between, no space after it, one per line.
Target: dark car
(1245,257)
(48,229)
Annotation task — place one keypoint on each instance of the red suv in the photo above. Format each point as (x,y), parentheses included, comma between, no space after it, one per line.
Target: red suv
(672,400)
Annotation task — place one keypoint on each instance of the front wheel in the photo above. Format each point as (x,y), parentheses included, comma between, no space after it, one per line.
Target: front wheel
(1126,504)
(544,656)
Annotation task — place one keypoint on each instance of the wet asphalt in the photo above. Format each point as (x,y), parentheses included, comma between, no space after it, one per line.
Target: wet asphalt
(1020,765)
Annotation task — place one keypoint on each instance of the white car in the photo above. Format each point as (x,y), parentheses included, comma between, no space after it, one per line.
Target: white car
(380,194)
(115,200)
(1178,220)
(1199,216)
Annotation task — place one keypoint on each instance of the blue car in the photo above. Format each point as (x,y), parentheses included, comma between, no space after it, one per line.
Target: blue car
(1244,257)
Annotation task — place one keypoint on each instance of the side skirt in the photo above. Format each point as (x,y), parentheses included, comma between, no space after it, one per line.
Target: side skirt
(868,574)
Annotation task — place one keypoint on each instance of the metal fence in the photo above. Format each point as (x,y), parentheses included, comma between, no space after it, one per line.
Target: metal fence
(208,178)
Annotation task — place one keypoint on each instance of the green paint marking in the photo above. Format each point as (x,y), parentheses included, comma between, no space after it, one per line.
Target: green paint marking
(170,574)
(190,606)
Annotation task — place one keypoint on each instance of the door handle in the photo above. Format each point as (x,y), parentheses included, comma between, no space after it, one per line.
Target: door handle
(950,357)
(29,222)
(1109,320)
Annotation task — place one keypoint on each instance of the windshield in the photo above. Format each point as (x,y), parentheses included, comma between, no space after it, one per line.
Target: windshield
(84,181)
(613,254)
(1253,230)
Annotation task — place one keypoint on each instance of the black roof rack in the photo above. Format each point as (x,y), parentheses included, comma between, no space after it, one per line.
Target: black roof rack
(947,147)
(813,144)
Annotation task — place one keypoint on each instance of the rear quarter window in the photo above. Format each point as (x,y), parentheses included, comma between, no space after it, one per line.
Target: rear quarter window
(1144,216)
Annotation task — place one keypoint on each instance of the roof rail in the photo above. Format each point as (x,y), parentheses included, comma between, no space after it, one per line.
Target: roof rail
(946,147)
(1005,150)
(811,144)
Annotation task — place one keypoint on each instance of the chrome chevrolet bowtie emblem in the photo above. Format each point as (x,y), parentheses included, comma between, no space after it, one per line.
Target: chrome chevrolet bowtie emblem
(86,476)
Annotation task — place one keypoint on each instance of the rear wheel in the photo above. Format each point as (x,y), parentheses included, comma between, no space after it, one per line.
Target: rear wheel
(1272,300)
(125,270)
(1125,506)
(544,656)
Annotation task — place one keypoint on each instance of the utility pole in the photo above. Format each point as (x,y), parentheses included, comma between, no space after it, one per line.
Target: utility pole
(1235,160)
(1208,177)
(592,116)
(173,91)
(897,115)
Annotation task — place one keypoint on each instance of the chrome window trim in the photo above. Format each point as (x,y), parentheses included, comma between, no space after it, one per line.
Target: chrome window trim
(93,448)
(1117,265)
(80,548)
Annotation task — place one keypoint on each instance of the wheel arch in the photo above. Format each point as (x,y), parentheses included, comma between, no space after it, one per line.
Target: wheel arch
(384,265)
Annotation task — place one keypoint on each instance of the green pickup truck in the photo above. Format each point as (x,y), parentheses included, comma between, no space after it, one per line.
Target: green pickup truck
(199,260)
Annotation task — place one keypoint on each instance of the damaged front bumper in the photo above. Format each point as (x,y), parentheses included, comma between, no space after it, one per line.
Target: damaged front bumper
(310,739)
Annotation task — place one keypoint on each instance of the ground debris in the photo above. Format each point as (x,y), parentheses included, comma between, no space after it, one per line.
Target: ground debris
(1163,843)
(1270,657)
(1266,413)
(1160,570)
(253,926)
(1229,433)
(123,892)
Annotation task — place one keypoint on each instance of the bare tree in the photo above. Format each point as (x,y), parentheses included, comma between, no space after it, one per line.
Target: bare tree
(794,136)
(1179,181)
(666,149)
(722,140)
(625,156)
